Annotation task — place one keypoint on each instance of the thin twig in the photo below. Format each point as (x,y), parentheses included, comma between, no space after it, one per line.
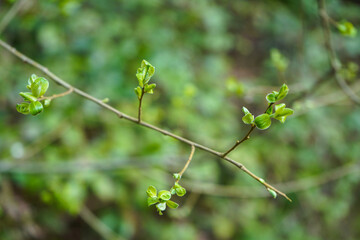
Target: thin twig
(57,95)
(104,231)
(140,103)
(187,163)
(15,8)
(79,92)
(334,62)
(246,137)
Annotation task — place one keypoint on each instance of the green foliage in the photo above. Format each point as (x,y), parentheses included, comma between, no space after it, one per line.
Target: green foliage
(263,121)
(35,108)
(279,61)
(346,28)
(248,118)
(144,74)
(164,196)
(38,87)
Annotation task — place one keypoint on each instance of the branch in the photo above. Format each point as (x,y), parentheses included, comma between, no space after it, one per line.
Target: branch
(140,103)
(334,62)
(57,95)
(246,137)
(122,115)
(187,163)
(15,8)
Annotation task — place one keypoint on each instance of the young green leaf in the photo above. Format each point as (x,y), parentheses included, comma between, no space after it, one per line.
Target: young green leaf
(270,110)
(149,88)
(39,86)
(23,108)
(263,121)
(272,192)
(346,28)
(283,92)
(138,92)
(279,61)
(180,191)
(151,191)
(46,102)
(144,73)
(281,111)
(28,96)
(152,200)
(161,206)
(248,118)
(35,108)
(177,176)
(271,97)
(164,195)
(172,204)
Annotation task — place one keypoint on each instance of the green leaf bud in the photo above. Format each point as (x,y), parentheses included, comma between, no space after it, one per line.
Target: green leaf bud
(172,204)
(46,102)
(23,108)
(263,121)
(272,192)
(346,28)
(35,108)
(152,200)
(138,92)
(248,118)
(39,87)
(176,176)
(164,195)
(271,98)
(283,92)
(161,206)
(269,110)
(144,73)
(180,191)
(149,88)
(28,96)
(151,191)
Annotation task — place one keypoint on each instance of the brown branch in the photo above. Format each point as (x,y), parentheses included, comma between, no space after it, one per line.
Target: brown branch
(334,62)
(246,137)
(187,163)
(120,114)
(57,95)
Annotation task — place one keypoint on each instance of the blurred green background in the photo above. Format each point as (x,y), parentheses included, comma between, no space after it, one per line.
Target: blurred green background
(78,172)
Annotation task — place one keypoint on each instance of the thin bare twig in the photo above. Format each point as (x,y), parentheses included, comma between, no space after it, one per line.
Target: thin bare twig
(15,8)
(120,114)
(57,95)
(187,163)
(334,62)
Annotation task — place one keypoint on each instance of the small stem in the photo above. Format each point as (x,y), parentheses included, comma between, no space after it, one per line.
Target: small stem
(140,103)
(334,62)
(57,95)
(187,163)
(246,137)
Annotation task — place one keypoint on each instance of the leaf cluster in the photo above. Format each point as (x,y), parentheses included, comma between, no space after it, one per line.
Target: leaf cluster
(38,87)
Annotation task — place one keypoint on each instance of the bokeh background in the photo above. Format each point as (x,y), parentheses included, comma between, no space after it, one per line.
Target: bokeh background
(76,171)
